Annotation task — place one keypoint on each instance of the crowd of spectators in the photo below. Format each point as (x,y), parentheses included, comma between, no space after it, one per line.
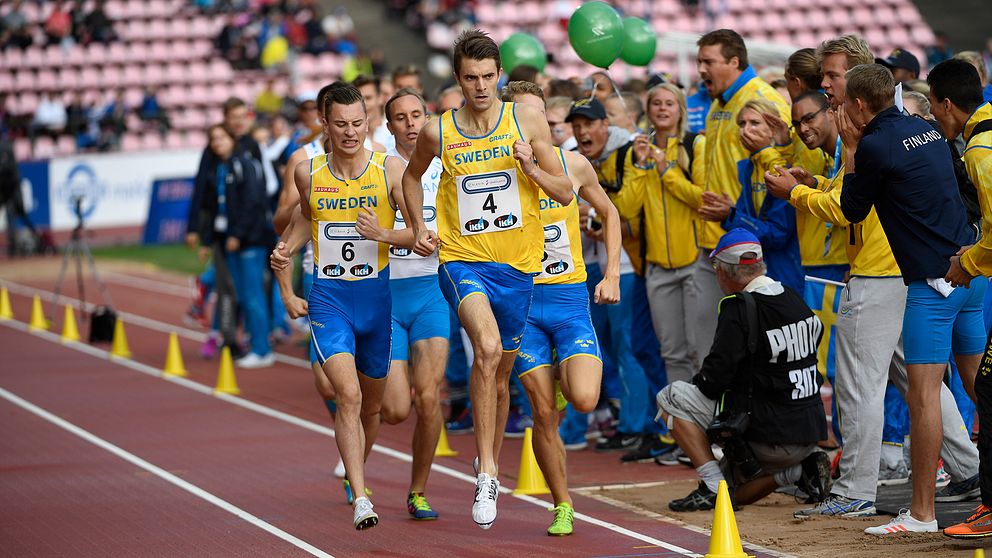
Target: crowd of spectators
(68,24)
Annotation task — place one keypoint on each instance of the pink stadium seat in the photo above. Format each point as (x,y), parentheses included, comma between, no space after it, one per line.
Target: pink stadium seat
(885,16)
(174,140)
(24,80)
(151,141)
(65,145)
(877,39)
(118,53)
(6,81)
(44,148)
(130,142)
(899,36)
(33,57)
(862,17)
(486,12)
(907,13)
(22,149)
(157,29)
(46,80)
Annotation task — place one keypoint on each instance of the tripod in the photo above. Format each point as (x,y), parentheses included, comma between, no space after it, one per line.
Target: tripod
(76,250)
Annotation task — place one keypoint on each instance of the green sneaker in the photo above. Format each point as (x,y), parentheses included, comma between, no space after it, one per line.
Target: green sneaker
(418,507)
(560,401)
(562,525)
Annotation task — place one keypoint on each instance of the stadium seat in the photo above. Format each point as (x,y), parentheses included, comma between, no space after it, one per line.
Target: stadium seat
(22,149)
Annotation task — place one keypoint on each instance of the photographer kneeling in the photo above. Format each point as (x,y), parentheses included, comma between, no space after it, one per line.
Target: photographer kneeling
(758,393)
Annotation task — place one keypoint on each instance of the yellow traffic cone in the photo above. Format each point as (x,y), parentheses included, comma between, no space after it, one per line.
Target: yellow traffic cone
(530,480)
(443,449)
(725,541)
(119,347)
(174,358)
(6,312)
(226,382)
(38,320)
(979,553)
(69,330)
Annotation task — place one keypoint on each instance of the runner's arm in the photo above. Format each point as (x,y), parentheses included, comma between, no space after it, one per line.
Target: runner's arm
(608,291)
(368,222)
(428,147)
(289,196)
(548,172)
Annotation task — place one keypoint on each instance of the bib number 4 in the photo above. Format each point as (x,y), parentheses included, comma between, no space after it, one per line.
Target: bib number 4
(488,202)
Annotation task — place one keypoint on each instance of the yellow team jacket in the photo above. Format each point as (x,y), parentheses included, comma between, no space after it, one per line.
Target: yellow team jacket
(978,161)
(562,262)
(339,251)
(724,148)
(668,200)
(867,246)
(606,172)
(488,210)
(820,242)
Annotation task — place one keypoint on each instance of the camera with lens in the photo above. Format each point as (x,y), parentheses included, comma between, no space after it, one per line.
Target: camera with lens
(727,431)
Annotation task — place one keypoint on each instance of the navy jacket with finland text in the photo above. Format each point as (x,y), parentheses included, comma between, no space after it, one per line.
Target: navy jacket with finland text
(904,169)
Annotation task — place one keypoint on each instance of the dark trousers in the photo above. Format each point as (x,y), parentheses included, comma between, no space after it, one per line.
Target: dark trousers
(983,395)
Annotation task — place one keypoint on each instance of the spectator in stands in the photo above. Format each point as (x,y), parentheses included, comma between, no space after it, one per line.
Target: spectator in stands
(939,51)
(339,30)
(114,117)
(77,115)
(308,123)
(563,88)
(600,84)
(98,26)
(227,40)
(918,85)
(450,99)
(917,104)
(4,116)
(524,72)
(268,101)
(407,75)
(619,114)
(58,25)
(561,131)
(698,106)
(783,90)
(14,27)
(50,117)
(12,200)
(151,111)
(369,86)
(802,72)
(976,60)
(904,66)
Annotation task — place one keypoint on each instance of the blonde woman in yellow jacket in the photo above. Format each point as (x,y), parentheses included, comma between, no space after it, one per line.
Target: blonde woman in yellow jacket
(669,196)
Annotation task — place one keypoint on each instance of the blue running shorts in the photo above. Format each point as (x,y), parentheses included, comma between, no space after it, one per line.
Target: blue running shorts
(934,326)
(419,312)
(559,326)
(353,317)
(508,290)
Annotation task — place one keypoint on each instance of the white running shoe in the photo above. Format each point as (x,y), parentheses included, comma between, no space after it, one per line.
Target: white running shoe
(903,523)
(339,471)
(365,518)
(484,508)
(252,360)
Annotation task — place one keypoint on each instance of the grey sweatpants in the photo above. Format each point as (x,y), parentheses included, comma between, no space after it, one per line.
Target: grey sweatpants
(704,322)
(869,351)
(673,297)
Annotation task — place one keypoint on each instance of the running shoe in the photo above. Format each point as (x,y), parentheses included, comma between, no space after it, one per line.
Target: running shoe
(700,499)
(815,479)
(979,525)
(893,476)
(418,507)
(560,401)
(253,360)
(618,441)
(943,477)
(365,517)
(960,491)
(838,506)
(577,445)
(672,458)
(564,518)
(650,447)
(484,506)
(516,423)
(903,523)
(209,349)
(461,425)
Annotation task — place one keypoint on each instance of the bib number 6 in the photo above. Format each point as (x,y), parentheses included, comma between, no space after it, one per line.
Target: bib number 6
(348,251)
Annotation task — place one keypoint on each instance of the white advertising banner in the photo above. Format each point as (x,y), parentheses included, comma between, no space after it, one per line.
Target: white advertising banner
(111,190)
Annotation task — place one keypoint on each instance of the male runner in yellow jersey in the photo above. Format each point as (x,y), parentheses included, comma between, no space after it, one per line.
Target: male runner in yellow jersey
(349,304)
(559,327)
(489,232)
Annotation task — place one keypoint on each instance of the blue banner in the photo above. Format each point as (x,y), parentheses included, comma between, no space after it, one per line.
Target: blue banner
(34,191)
(168,211)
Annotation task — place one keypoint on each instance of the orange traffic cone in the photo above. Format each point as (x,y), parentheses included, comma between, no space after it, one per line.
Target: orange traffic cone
(6,312)
(174,358)
(226,382)
(118,346)
(70,332)
(725,540)
(530,480)
(38,320)
(443,449)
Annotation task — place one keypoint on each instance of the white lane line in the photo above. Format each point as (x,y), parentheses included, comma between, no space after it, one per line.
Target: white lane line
(129,318)
(146,284)
(621,486)
(672,521)
(162,474)
(319,429)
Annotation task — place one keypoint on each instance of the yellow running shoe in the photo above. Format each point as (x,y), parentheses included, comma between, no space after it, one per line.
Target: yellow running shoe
(560,401)
(562,524)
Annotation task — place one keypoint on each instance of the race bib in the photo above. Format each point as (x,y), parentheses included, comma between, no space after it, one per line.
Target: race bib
(557,258)
(342,253)
(488,202)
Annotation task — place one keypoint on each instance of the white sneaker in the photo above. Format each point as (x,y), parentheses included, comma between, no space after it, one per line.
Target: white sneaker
(251,360)
(903,523)
(484,508)
(365,518)
(339,471)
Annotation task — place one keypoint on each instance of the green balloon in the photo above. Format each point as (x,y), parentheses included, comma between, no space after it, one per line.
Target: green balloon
(640,42)
(595,32)
(522,49)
